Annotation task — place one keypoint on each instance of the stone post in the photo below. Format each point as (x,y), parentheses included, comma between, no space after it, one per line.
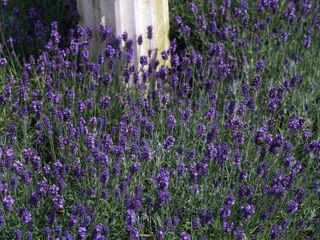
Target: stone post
(131,16)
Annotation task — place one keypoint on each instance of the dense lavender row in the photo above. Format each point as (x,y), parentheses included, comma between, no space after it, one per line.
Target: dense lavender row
(222,143)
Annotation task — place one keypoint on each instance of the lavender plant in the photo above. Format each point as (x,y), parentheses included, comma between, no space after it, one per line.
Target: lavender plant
(225,145)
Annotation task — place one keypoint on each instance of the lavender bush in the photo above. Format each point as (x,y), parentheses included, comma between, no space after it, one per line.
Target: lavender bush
(222,143)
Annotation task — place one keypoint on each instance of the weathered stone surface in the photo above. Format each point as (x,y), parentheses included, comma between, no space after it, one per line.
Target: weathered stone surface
(132,16)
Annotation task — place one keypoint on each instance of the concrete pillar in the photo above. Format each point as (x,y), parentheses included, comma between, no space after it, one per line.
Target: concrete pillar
(131,16)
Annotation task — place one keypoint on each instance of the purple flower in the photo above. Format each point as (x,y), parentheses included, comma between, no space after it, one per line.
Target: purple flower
(202,168)
(3,62)
(195,223)
(54,32)
(292,207)
(1,221)
(180,168)
(242,176)
(124,36)
(225,212)
(140,40)
(130,217)
(104,178)
(185,236)
(5,2)
(85,55)
(58,203)
(169,142)
(227,226)
(143,60)
(276,144)
(247,210)
(285,223)
(275,232)
(25,215)
(211,152)
(223,152)
(164,55)
(105,102)
(159,234)
(163,179)
(29,235)
(201,130)
(150,127)
(81,233)
(135,167)
(171,122)
(9,154)
(289,13)
(261,135)
(262,170)
(237,156)
(239,234)
(58,230)
(47,232)
(163,196)
(193,7)
(18,234)
(149,32)
(229,200)
(104,194)
(260,66)
(110,51)
(284,36)
(202,23)
(99,230)
(8,202)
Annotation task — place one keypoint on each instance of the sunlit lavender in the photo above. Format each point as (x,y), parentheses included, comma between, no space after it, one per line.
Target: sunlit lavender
(218,140)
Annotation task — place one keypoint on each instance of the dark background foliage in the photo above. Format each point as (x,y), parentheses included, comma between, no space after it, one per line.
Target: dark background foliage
(27,23)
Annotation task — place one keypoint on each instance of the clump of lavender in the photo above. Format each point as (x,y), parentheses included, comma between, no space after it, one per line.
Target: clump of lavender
(219,143)
(163,180)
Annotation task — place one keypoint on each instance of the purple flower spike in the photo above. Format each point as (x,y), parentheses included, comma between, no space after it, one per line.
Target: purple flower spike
(185,236)
(3,62)
(292,207)
(149,32)
(247,210)
(25,215)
